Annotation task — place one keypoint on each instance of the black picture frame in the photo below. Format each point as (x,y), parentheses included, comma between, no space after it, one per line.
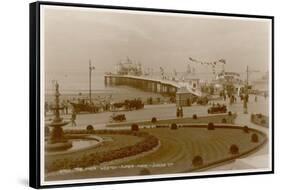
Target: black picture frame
(34,82)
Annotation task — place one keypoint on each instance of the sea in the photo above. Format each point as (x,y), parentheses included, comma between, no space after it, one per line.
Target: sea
(76,85)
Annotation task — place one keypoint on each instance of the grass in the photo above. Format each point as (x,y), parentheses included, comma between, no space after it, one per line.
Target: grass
(178,147)
(181,145)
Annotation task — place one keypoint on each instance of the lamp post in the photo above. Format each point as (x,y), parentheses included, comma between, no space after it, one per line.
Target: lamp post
(91,68)
(245,105)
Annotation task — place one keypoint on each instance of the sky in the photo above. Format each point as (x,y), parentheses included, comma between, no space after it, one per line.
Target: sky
(72,36)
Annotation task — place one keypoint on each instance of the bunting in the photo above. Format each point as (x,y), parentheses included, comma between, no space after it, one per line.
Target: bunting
(223,61)
(212,63)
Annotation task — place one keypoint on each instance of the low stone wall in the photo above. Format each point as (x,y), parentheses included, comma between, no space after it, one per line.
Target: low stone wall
(214,118)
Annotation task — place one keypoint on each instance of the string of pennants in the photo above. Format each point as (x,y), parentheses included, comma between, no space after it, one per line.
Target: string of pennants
(212,63)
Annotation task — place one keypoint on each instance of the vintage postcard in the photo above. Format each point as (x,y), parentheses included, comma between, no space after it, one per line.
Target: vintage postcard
(140,94)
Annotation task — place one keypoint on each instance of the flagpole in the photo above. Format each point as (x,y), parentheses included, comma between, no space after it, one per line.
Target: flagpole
(90,76)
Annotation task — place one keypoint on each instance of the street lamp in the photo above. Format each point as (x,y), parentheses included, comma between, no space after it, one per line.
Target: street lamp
(245,106)
(91,68)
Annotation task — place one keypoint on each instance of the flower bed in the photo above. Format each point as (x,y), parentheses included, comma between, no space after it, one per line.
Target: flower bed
(87,160)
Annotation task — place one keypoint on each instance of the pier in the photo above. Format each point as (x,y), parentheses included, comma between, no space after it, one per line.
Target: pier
(165,87)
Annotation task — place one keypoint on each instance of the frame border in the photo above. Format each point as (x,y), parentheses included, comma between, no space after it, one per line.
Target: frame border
(34,93)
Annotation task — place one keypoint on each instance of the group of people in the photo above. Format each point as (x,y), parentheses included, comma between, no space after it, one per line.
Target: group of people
(64,107)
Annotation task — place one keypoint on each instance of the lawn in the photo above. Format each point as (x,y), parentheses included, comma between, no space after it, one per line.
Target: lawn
(178,148)
(182,145)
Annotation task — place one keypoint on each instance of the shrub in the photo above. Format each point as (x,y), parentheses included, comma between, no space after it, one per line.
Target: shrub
(90,128)
(174,126)
(229,113)
(246,129)
(263,122)
(255,138)
(223,120)
(211,126)
(234,149)
(145,171)
(134,127)
(154,120)
(194,116)
(197,161)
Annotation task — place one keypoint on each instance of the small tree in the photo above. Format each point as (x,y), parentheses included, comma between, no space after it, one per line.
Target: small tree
(246,129)
(229,113)
(255,138)
(174,126)
(194,116)
(134,127)
(90,128)
(234,149)
(197,161)
(211,126)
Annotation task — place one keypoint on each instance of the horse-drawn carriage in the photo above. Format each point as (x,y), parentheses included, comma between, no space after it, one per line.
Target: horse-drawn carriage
(83,105)
(217,109)
(134,104)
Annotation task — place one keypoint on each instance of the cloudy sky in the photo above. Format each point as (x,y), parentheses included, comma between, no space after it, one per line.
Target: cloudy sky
(72,36)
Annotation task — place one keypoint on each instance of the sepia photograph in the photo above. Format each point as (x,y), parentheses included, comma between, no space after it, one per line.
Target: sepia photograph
(128,94)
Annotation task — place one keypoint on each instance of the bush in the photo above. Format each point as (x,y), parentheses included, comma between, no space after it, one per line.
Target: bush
(194,116)
(174,126)
(246,129)
(229,113)
(234,149)
(197,161)
(154,120)
(223,120)
(255,138)
(263,122)
(134,127)
(211,126)
(90,128)
(145,171)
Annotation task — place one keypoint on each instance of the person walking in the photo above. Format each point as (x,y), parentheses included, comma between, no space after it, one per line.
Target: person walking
(181,112)
(73,119)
